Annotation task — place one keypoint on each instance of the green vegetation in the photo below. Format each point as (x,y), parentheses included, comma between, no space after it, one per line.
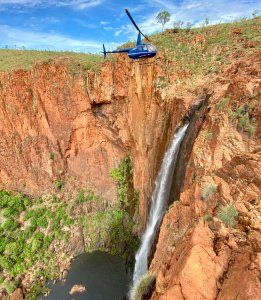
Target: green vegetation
(200,51)
(87,195)
(58,184)
(162,82)
(126,194)
(25,239)
(51,155)
(208,135)
(24,59)
(111,227)
(163,17)
(34,233)
(142,287)
(228,215)
(222,104)
(242,119)
(208,190)
(207,218)
(193,51)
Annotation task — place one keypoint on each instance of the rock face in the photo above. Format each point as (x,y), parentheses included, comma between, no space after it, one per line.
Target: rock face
(198,255)
(56,127)
(73,129)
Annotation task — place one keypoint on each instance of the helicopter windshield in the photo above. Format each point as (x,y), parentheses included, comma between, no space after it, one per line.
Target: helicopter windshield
(144,47)
(151,48)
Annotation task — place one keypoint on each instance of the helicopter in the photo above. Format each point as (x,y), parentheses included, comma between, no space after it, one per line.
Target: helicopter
(141,50)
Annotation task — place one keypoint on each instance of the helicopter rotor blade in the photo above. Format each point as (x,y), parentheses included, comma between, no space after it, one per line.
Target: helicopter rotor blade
(135,25)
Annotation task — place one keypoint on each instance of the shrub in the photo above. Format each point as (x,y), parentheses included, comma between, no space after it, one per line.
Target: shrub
(10,224)
(242,119)
(11,204)
(245,124)
(222,104)
(58,184)
(87,195)
(123,174)
(42,222)
(1,279)
(13,249)
(207,218)
(208,190)
(10,287)
(228,215)
(208,135)
(80,197)
(51,155)
(142,287)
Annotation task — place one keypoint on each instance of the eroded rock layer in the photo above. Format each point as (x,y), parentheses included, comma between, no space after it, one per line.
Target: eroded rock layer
(73,129)
(202,253)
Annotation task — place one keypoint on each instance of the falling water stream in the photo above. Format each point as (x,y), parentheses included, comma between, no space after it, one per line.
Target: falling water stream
(159,203)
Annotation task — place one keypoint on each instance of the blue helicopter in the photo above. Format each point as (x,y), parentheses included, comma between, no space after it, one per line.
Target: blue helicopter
(141,50)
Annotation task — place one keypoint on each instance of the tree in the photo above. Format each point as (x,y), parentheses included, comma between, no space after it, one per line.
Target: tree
(206,21)
(163,17)
(178,25)
(255,13)
(188,25)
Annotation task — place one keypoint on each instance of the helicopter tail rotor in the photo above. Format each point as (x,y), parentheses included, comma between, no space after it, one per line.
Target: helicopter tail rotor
(104,52)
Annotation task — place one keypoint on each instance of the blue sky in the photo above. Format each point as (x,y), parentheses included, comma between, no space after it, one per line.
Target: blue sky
(83,25)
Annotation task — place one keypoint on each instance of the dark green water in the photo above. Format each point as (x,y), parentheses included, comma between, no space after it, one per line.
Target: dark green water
(103,275)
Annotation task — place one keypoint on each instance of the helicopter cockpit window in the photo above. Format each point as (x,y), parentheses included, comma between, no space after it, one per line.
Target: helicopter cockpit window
(151,48)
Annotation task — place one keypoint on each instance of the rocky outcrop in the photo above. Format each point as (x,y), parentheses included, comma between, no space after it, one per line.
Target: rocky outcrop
(56,127)
(59,129)
(198,255)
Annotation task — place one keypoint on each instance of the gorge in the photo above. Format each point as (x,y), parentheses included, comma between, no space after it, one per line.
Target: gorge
(80,151)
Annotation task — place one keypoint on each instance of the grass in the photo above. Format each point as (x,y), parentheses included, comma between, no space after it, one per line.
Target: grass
(228,215)
(208,190)
(204,50)
(142,287)
(24,59)
(222,104)
(87,196)
(192,51)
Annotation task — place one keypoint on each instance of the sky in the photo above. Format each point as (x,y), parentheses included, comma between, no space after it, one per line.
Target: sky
(84,25)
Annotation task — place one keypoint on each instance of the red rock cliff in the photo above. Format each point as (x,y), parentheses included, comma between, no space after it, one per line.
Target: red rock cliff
(75,128)
(198,256)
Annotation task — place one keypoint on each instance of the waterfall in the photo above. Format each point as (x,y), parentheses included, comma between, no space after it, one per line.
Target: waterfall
(159,202)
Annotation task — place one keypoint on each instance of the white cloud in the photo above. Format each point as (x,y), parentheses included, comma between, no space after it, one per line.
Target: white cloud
(195,11)
(75,4)
(48,41)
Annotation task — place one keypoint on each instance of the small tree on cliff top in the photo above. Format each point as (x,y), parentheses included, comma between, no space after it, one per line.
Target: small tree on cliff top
(163,17)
